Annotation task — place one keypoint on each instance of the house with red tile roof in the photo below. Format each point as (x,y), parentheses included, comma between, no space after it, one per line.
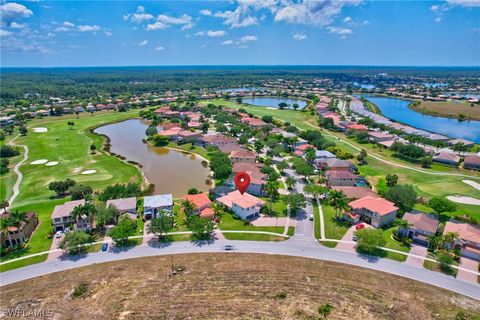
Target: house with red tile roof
(472,162)
(377,212)
(246,206)
(353,126)
(243,156)
(169,126)
(254,122)
(216,140)
(355,192)
(468,238)
(202,205)
(16,235)
(257,178)
(421,226)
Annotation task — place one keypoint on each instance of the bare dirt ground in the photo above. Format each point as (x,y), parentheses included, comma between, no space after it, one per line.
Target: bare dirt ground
(232,286)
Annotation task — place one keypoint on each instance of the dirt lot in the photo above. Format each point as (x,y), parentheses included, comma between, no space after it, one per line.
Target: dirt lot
(449,109)
(232,286)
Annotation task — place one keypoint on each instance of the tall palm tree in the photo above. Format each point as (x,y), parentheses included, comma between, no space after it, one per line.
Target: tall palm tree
(17,217)
(88,209)
(339,202)
(271,189)
(290,182)
(188,207)
(449,238)
(4,225)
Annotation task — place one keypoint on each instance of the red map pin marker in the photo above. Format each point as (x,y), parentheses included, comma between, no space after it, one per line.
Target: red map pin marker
(242,180)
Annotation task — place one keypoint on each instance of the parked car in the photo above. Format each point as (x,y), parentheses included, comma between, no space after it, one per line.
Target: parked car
(354,238)
(310,217)
(105,247)
(66,230)
(58,234)
(229,247)
(359,226)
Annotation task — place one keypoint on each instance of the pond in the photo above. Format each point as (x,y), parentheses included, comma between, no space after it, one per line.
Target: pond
(170,170)
(397,109)
(273,102)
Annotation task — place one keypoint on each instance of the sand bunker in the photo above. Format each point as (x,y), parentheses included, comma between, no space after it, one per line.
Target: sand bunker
(40,161)
(464,200)
(51,163)
(88,172)
(473,184)
(40,129)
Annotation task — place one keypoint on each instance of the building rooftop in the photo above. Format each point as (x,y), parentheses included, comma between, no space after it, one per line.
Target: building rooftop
(422,221)
(123,204)
(64,210)
(378,205)
(465,231)
(157,201)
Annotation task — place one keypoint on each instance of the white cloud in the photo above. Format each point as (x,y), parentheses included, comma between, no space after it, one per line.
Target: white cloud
(339,30)
(13,44)
(160,48)
(299,36)
(438,19)
(68,24)
(434,8)
(227,42)
(216,33)
(4,33)
(163,22)
(62,29)
(235,19)
(139,16)
(320,13)
(143,43)
(16,25)
(205,12)
(200,33)
(89,28)
(107,33)
(10,12)
(347,20)
(248,38)
(464,3)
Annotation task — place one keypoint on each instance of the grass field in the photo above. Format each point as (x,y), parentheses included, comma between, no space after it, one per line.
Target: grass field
(427,185)
(70,147)
(234,286)
(449,109)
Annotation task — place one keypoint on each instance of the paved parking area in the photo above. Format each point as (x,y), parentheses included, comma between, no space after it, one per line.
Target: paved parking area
(417,250)
(54,255)
(469,264)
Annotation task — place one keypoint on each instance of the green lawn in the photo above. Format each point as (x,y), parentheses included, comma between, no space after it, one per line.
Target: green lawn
(316,217)
(70,147)
(333,229)
(230,222)
(255,237)
(393,244)
(279,206)
(188,147)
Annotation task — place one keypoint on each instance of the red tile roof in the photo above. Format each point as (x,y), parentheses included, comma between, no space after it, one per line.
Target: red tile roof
(378,205)
(199,200)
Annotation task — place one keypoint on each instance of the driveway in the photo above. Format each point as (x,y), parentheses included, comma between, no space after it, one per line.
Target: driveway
(350,247)
(272,222)
(468,264)
(417,250)
(53,256)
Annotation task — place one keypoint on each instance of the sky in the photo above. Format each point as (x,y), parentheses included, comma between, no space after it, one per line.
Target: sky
(244,32)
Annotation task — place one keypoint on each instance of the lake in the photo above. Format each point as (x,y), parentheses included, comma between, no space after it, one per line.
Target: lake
(170,170)
(273,102)
(397,109)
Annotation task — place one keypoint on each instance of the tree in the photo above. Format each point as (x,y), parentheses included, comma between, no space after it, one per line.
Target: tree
(161,225)
(17,217)
(295,201)
(239,100)
(201,229)
(8,151)
(74,242)
(338,201)
(369,240)
(125,228)
(282,105)
(258,146)
(4,205)
(282,165)
(290,182)
(88,210)
(193,191)
(221,165)
(80,191)
(304,169)
(204,127)
(445,260)
(325,310)
(426,162)
(362,157)
(404,197)
(310,154)
(4,165)
(271,189)
(71,124)
(4,226)
(23,131)
(188,206)
(93,148)
(159,140)
(392,180)
(61,187)
(104,215)
(441,205)
(151,131)
(295,106)
(314,190)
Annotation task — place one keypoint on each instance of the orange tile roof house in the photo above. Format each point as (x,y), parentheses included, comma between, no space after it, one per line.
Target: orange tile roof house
(355,192)
(469,238)
(18,235)
(62,214)
(243,156)
(421,226)
(254,122)
(375,211)
(257,178)
(202,204)
(472,162)
(246,206)
(217,140)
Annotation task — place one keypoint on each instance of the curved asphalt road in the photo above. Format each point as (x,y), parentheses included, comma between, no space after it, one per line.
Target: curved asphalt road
(293,247)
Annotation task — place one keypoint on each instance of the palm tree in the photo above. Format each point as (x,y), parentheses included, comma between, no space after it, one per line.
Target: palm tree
(271,189)
(290,182)
(17,217)
(188,207)
(449,238)
(339,202)
(217,210)
(88,209)
(4,225)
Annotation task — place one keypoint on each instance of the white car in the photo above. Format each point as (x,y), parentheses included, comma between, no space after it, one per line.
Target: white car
(310,217)
(58,234)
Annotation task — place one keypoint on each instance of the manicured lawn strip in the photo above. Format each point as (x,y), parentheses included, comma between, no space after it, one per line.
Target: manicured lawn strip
(393,244)
(188,148)
(436,267)
(180,217)
(278,206)
(229,222)
(253,237)
(23,263)
(316,217)
(7,180)
(333,229)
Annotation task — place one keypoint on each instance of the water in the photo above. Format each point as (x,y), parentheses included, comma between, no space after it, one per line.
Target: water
(397,109)
(171,171)
(435,85)
(273,102)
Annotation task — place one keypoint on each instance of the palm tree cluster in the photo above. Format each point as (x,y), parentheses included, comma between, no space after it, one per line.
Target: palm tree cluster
(14,219)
